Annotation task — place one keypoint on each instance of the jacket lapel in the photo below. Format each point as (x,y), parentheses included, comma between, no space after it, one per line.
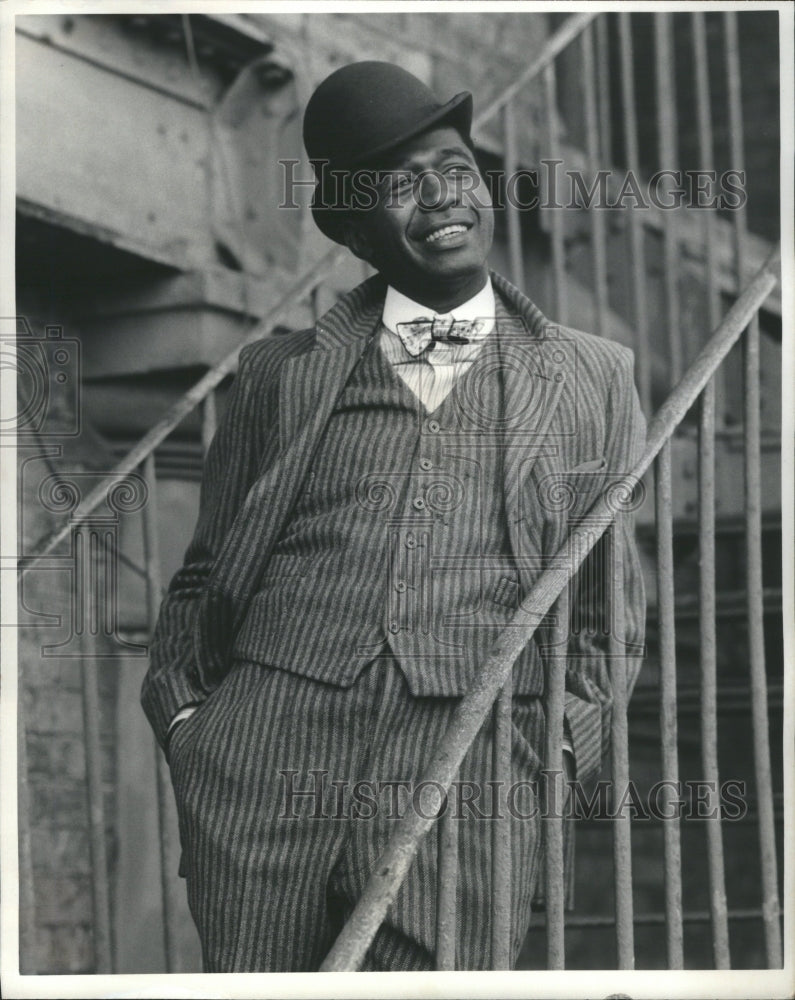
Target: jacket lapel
(309,386)
(536,365)
(311,383)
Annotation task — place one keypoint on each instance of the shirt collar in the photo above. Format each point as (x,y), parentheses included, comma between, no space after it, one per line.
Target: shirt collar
(399,308)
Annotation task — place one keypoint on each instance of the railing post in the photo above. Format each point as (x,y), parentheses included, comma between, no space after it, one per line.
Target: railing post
(168,860)
(554,791)
(513,217)
(555,217)
(668,152)
(756,648)
(753,534)
(619,733)
(706,154)
(672,845)
(636,232)
(603,74)
(709,701)
(598,229)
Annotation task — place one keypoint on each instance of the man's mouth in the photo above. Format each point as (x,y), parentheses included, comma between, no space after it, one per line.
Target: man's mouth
(445,234)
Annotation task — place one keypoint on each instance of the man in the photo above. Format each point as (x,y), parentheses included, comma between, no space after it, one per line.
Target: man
(380,495)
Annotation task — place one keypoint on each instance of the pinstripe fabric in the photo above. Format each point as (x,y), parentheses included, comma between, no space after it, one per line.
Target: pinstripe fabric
(570,401)
(398,536)
(271,875)
(568,420)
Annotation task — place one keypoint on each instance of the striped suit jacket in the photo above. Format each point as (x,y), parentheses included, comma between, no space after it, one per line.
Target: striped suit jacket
(581,425)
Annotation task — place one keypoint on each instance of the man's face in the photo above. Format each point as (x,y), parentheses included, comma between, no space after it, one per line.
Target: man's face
(431,230)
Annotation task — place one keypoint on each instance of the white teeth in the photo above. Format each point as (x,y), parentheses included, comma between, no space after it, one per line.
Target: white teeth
(439,234)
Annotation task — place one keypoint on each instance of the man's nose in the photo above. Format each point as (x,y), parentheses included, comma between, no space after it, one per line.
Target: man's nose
(434,191)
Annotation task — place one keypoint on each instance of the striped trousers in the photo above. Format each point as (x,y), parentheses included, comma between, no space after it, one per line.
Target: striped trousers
(287,791)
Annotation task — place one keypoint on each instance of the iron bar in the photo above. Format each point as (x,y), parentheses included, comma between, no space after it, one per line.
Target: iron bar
(708,659)
(753,530)
(597,214)
(619,742)
(513,217)
(552,49)
(187,403)
(668,154)
(556,220)
(706,155)
(446,913)
(756,647)
(100,899)
(672,844)
(712,354)
(168,860)
(603,78)
(636,233)
(390,869)
(554,791)
(501,936)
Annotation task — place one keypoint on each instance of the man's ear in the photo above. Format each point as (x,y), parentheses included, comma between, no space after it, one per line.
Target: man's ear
(357,239)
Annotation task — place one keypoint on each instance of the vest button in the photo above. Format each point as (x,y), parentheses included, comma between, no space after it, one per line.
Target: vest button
(418,503)
(400,587)
(426,464)
(393,628)
(434,427)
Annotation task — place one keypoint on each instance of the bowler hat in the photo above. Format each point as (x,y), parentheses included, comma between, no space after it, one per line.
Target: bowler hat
(362,111)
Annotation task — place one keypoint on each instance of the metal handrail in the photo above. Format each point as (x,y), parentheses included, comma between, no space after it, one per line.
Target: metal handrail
(557,42)
(391,867)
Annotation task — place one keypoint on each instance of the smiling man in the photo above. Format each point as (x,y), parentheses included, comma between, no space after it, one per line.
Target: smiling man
(383,490)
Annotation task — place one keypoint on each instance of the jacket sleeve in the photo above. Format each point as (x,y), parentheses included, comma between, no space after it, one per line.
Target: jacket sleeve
(231,467)
(588,699)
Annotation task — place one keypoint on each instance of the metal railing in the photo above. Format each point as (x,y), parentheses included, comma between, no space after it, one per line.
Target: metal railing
(493,685)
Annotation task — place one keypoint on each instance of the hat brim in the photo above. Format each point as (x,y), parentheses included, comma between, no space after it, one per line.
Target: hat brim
(456,112)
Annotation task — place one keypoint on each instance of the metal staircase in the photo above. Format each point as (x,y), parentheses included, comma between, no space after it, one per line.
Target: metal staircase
(725,271)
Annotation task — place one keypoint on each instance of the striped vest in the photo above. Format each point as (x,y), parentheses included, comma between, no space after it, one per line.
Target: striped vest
(397,543)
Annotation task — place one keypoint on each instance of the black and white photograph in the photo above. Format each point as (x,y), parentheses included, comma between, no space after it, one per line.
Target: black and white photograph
(396,453)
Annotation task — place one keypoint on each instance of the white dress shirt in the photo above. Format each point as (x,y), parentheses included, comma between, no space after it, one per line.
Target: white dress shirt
(432,375)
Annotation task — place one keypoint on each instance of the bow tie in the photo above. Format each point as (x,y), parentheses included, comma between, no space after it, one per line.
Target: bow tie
(422,333)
